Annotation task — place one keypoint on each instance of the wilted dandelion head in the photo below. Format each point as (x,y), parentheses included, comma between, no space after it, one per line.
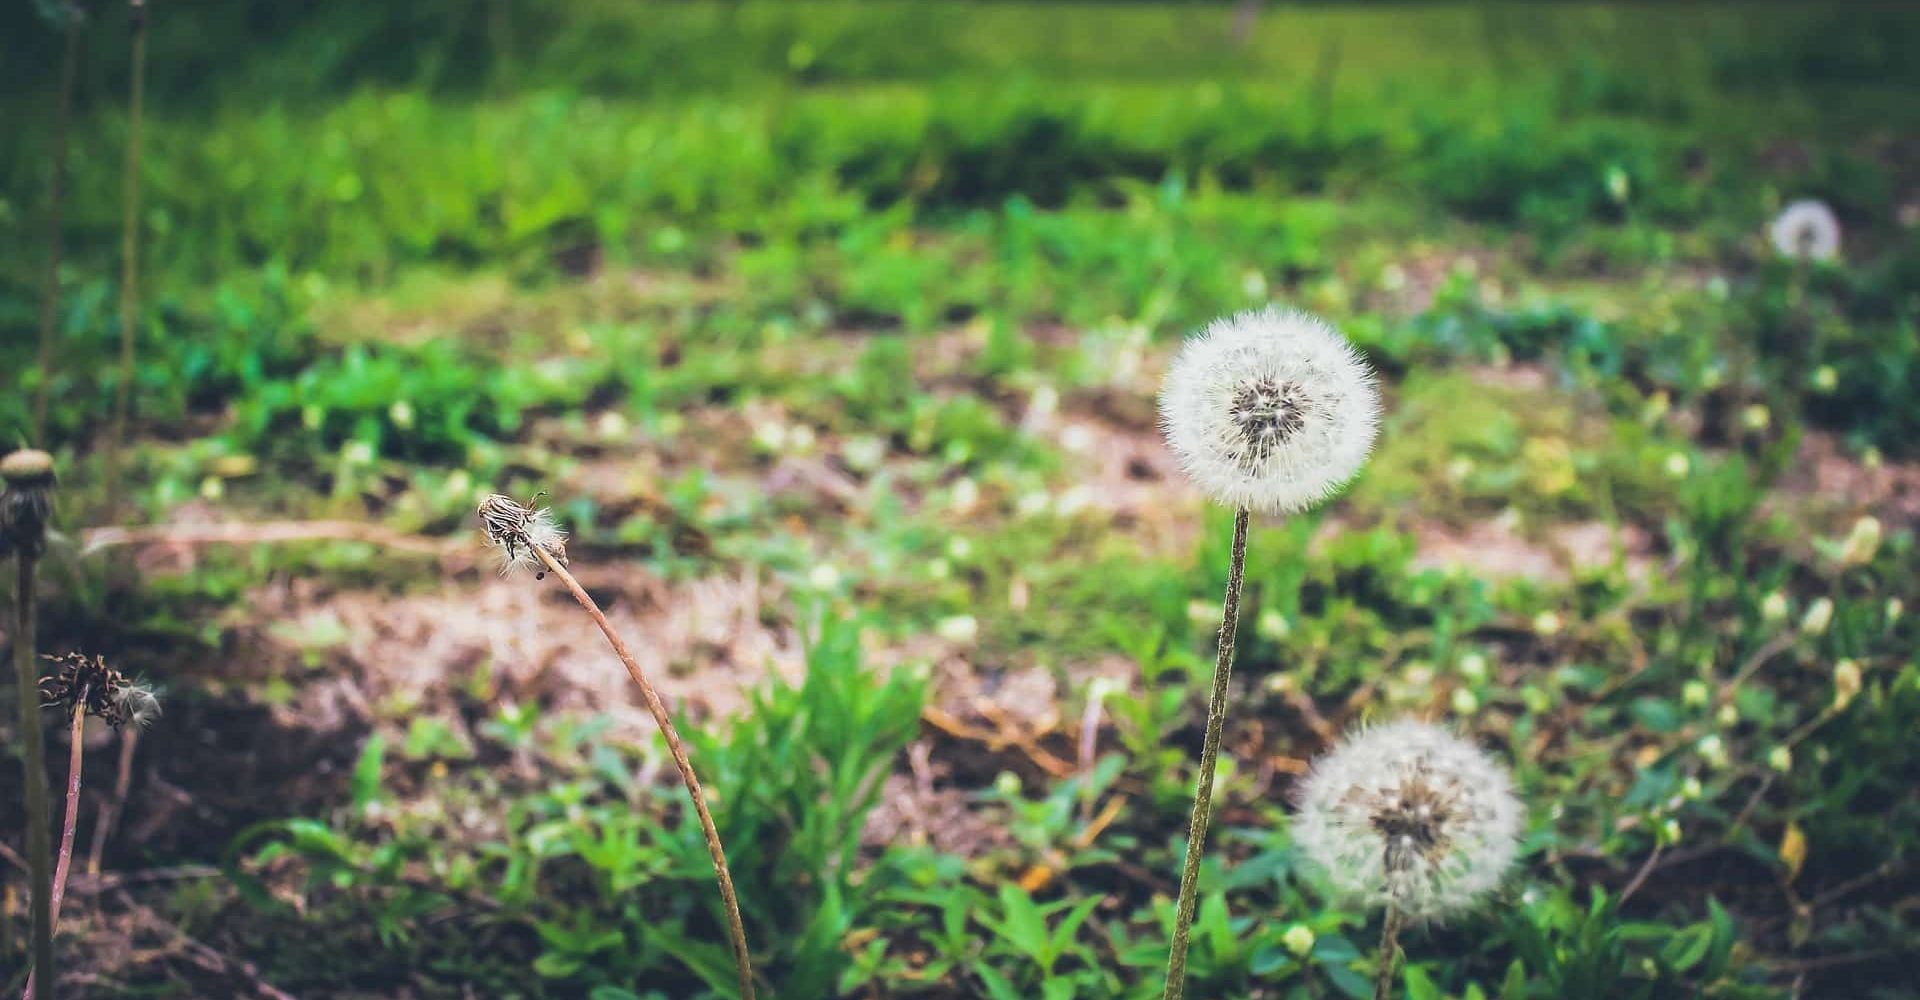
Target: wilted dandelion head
(1409,815)
(516,529)
(1807,230)
(99,690)
(1269,410)
(26,503)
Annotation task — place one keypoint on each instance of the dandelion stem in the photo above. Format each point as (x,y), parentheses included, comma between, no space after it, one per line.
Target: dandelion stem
(50,305)
(735,927)
(64,861)
(33,759)
(129,248)
(1389,954)
(1209,757)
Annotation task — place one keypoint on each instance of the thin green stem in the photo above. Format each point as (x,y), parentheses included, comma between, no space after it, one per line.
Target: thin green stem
(1209,757)
(50,304)
(129,250)
(1389,954)
(33,759)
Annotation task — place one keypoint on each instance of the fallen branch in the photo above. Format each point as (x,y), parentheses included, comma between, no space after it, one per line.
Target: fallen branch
(245,533)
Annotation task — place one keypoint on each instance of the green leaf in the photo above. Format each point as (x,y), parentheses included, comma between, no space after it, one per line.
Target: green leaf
(1419,986)
(366,773)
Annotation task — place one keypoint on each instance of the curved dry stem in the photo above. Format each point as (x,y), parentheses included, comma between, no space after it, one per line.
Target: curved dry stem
(64,861)
(735,927)
(103,826)
(1209,757)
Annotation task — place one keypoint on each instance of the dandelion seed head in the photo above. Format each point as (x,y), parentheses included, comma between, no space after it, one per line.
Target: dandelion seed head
(1806,230)
(1271,410)
(1407,814)
(26,502)
(516,529)
(99,690)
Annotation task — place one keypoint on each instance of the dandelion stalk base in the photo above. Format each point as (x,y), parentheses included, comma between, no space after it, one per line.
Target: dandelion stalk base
(33,749)
(64,862)
(1389,955)
(1209,758)
(735,927)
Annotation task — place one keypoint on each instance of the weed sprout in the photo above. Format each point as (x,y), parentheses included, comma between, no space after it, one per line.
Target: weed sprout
(1270,410)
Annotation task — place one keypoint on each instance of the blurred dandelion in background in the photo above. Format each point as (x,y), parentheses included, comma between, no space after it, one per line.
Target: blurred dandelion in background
(1409,818)
(1807,230)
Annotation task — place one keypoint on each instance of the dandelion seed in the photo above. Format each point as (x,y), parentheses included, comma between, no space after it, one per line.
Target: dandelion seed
(1270,410)
(1807,230)
(517,530)
(1410,817)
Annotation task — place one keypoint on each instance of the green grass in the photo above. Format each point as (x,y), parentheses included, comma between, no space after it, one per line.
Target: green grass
(862,305)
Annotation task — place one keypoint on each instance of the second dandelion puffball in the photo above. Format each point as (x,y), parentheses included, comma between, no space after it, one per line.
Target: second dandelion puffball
(1806,230)
(1410,816)
(1270,410)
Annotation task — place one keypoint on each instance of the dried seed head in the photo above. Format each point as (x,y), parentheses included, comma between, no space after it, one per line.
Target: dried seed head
(99,690)
(1269,410)
(1411,816)
(26,504)
(1807,230)
(516,529)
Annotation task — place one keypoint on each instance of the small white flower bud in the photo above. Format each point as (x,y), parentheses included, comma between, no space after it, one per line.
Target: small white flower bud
(1862,542)
(1299,939)
(1774,607)
(1847,683)
(1819,615)
(961,629)
(1273,626)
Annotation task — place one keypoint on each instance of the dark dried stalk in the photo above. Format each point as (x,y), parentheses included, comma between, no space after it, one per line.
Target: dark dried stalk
(129,248)
(1389,954)
(735,927)
(50,303)
(103,827)
(33,758)
(1209,758)
(64,862)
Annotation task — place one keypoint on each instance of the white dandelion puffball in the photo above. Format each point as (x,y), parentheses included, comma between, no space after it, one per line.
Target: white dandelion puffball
(1270,410)
(1807,230)
(1409,815)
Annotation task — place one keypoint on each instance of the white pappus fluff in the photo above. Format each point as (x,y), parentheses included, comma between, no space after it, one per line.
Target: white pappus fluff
(1409,815)
(1807,230)
(1271,410)
(137,703)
